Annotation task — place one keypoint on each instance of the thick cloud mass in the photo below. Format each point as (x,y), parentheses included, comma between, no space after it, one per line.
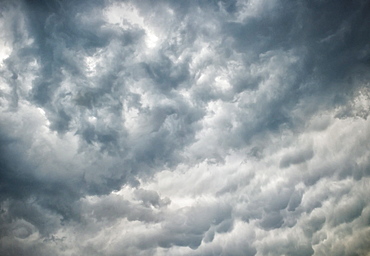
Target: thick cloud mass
(184,127)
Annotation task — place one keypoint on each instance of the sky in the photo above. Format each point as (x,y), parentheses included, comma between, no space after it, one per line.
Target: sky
(184,127)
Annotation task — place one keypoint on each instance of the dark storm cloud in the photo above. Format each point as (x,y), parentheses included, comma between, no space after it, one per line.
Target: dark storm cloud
(184,128)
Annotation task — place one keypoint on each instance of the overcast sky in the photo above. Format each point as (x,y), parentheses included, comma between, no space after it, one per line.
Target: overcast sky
(184,127)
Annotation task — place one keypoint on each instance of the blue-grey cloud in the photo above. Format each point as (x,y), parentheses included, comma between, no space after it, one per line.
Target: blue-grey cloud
(184,127)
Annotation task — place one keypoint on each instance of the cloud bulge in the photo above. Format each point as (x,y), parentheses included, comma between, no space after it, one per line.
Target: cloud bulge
(184,128)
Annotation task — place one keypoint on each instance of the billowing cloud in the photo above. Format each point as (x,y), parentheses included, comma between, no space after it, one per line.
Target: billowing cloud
(184,128)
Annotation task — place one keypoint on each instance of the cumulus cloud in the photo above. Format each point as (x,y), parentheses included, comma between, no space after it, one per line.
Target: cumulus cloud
(184,128)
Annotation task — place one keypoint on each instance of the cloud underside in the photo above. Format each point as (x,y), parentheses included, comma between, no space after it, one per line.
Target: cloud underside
(184,128)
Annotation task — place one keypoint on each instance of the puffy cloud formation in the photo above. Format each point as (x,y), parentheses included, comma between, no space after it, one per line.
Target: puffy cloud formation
(184,127)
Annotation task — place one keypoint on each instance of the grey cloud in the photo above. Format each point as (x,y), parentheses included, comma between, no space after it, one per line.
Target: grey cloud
(188,226)
(315,223)
(184,128)
(166,74)
(113,207)
(271,221)
(151,198)
(295,201)
(348,211)
(296,158)
(289,247)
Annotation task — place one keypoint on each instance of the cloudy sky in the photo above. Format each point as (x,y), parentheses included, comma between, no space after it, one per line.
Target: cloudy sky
(184,127)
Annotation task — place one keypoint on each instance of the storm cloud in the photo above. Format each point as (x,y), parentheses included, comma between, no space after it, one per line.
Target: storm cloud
(184,127)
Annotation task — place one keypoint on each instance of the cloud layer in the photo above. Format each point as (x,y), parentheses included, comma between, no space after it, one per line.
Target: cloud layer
(184,128)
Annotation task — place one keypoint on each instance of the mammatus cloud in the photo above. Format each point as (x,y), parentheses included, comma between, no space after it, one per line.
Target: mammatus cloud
(184,128)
